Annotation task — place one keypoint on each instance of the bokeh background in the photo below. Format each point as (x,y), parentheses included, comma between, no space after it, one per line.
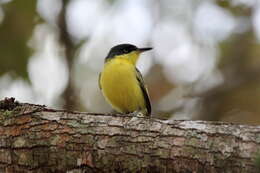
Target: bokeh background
(205,63)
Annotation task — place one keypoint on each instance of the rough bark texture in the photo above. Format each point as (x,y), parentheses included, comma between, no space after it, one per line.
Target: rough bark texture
(37,139)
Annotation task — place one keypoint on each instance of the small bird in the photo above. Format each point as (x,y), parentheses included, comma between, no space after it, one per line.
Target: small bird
(121,82)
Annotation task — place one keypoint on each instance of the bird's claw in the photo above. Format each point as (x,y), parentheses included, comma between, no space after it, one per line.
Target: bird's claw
(136,114)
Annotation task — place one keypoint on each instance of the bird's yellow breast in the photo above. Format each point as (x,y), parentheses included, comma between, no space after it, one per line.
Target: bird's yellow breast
(120,86)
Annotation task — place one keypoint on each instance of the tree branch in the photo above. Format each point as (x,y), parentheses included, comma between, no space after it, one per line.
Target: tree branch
(38,139)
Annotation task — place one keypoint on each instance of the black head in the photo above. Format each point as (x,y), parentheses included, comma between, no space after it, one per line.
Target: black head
(124,49)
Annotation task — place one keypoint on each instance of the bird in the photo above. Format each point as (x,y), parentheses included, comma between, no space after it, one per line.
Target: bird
(121,82)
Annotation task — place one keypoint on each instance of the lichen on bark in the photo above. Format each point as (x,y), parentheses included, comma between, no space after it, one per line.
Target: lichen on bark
(38,139)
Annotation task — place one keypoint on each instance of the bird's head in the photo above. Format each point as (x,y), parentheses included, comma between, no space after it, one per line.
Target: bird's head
(126,51)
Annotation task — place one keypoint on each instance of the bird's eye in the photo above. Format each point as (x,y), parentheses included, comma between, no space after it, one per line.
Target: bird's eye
(125,51)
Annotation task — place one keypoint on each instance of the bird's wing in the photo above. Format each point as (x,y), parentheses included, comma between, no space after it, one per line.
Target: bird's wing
(144,91)
(99,77)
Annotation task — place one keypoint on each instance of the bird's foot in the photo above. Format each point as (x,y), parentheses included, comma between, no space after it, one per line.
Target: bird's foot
(136,114)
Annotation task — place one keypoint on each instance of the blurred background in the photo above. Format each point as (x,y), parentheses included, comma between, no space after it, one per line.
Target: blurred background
(205,63)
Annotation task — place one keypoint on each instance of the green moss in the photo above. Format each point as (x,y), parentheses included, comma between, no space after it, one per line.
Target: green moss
(18,110)
(7,113)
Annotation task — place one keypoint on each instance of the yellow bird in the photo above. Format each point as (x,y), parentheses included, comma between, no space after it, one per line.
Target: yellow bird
(121,82)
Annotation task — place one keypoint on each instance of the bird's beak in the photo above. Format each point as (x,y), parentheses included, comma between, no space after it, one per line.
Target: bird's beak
(144,49)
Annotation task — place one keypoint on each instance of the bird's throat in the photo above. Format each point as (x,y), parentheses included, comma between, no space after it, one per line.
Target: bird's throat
(131,57)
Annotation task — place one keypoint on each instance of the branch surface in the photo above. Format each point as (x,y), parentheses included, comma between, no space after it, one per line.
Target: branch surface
(38,139)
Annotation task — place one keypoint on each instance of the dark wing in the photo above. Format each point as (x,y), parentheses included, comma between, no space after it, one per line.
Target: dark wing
(144,91)
(99,77)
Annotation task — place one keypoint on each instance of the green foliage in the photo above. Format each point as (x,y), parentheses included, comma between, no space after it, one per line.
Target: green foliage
(15,31)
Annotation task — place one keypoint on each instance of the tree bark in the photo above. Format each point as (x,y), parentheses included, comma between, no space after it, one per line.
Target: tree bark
(34,138)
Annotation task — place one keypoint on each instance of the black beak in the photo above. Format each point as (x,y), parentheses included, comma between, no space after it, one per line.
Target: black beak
(145,49)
